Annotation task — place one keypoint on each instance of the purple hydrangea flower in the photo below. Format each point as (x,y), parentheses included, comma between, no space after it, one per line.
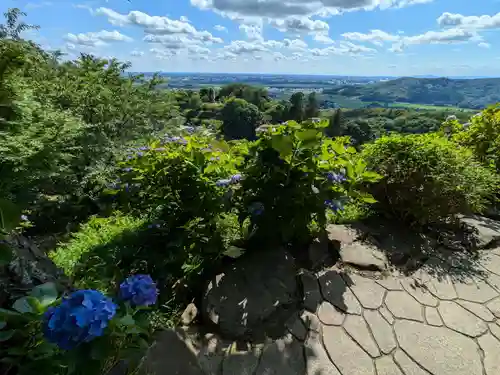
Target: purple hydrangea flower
(24,218)
(139,290)
(80,318)
(334,205)
(144,148)
(189,129)
(336,178)
(223,182)
(236,178)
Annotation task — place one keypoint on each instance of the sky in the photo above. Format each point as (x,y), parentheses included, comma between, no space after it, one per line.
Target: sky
(340,37)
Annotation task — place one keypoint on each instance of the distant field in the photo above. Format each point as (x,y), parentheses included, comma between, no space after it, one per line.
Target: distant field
(429,106)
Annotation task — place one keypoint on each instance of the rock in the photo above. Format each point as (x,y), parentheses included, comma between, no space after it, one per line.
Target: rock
(432,317)
(487,231)
(296,327)
(358,330)
(387,315)
(241,362)
(475,291)
(311,292)
(319,253)
(341,235)
(403,306)
(491,350)
(335,290)
(382,331)
(419,292)
(442,288)
(438,349)
(283,356)
(495,330)
(369,293)
(363,256)
(386,366)
(329,315)
(458,319)
(189,314)
(317,361)
(250,291)
(409,367)
(494,307)
(351,359)
(311,321)
(478,310)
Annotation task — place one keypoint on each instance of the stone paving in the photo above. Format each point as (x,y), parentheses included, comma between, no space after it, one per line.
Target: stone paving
(372,325)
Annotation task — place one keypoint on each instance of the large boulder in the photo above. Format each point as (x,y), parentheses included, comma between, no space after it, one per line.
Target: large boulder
(486,231)
(243,296)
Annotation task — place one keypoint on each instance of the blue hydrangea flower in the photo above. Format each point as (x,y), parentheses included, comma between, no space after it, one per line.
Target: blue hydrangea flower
(144,148)
(236,178)
(256,208)
(140,154)
(336,178)
(80,318)
(24,218)
(128,169)
(335,206)
(223,182)
(139,290)
(189,129)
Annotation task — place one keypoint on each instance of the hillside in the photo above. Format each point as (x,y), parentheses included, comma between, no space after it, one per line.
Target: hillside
(464,93)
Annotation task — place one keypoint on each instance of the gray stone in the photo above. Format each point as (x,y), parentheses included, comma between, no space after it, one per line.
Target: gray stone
(329,315)
(171,354)
(442,288)
(475,291)
(495,330)
(437,349)
(282,357)
(457,318)
(363,256)
(296,327)
(478,310)
(311,321)
(487,230)
(390,283)
(356,328)
(406,363)
(317,361)
(312,294)
(347,356)
(341,234)
(368,292)
(495,251)
(235,302)
(241,362)
(386,314)
(491,350)
(494,307)
(337,293)
(432,317)
(381,330)
(419,292)
(403,306)
(491,262)
(493,280)
(189,314)
(318,252)
(386,366)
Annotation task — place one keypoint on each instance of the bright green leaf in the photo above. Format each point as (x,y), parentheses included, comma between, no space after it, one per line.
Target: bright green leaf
(283,144)
(46,293)
(307,135)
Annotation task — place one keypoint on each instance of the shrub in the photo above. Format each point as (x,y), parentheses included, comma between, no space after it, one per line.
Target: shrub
(292,176)
(427,178)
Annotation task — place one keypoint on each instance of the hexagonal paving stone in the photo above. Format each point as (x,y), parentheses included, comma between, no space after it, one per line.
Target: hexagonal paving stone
(312,294)
(390,283)
(386,366)
(432,317)
(347,356)
(491,262)
(438,349)
(381,330)
(311,321)
(329,315)
(356,328)
(317,361)
(419,292)
(495,330)
(475,291)
(386,314)
(368,292)
(442,288)
(494,307)
(406,363)
(337,293)
(457,318)
(478,310)
(491,350)
(403,306)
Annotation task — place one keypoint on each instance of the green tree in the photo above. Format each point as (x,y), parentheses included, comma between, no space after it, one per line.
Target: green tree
(240,119)
(13,26)
(297,107)
(312,106)
(335,124)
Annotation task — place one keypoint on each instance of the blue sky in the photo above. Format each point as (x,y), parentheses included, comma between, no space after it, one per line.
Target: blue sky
(345,37)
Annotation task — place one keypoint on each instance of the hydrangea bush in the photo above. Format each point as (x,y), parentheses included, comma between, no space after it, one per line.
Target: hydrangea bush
(84,332)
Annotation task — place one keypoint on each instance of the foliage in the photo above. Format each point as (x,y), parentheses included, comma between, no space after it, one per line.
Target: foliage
(292,175)
(240,119)
(312,106)
(427,178)
(13,27)
(84,332)
(297,107)
(257,96)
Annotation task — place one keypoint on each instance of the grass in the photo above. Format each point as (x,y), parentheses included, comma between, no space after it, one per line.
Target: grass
(429,107)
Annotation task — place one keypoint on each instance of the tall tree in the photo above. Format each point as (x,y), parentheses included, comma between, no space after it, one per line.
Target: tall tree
(312,106)
(240,119)
(334,128)
(13,26)
(297,108)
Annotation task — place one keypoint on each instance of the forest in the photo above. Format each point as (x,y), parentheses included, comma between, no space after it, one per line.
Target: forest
(136,196)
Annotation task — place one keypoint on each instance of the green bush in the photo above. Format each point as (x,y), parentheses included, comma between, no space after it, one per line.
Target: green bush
(427,178)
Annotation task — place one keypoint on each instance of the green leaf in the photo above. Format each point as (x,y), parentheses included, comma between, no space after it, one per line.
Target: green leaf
(10,215)
(5,313)
(23,305)
(282,144)
(127,320)
(307,135)
(46,293)
(6,254)
(234,252)
(6,335)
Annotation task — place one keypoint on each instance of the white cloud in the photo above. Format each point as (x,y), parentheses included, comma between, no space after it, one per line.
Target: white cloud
(136,53)
(162,54)
(345,48)
(295,44)
(322,38)
(484,45)
(470,22)
(252,32)
(239,47)
(184,19)
(156,24)
(220,28)
(300,25)
(374,36)
(285,8)
(94,39)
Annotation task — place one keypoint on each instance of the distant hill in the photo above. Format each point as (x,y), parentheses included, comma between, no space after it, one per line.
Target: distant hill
(464,93)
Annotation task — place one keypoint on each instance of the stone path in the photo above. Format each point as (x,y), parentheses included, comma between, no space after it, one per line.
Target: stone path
(399,325)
